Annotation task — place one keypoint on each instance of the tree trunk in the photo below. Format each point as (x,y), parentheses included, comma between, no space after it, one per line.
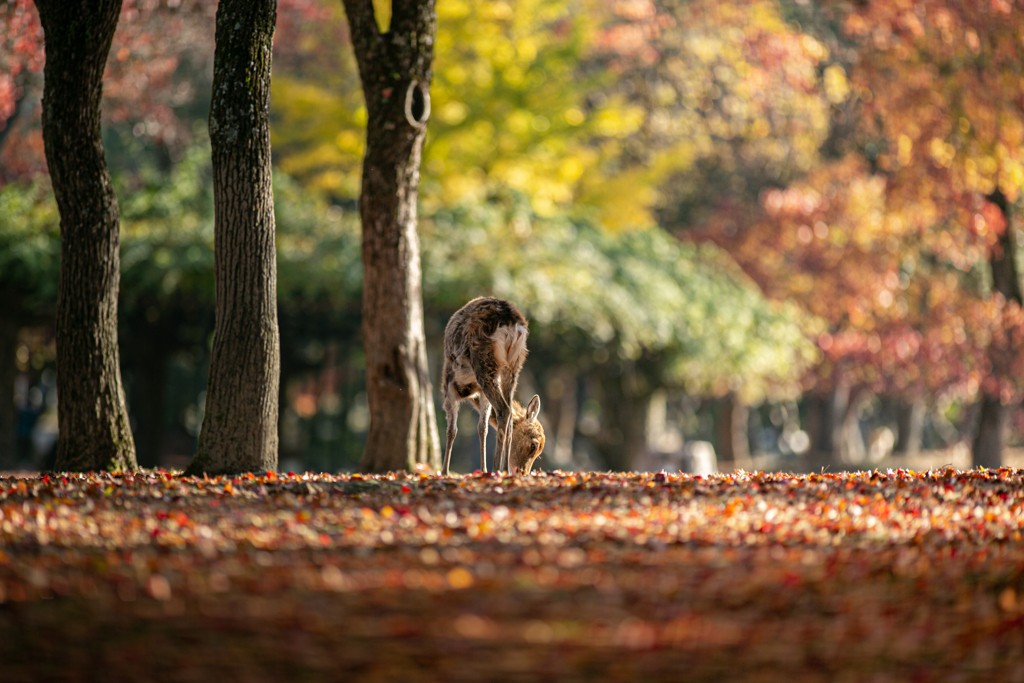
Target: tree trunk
(852,450)
(239,432)
(911,426)
(987,450)
(565,428)
(8,375)
(993,427)
(150,371)
(733,441)
(623,438)
(825,417)
(92,417)
(395,68)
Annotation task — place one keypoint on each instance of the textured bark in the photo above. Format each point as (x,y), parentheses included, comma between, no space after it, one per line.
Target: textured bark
(93,419)
(395,68)
(733,441)
(8,375)
(993,425)
(239,432)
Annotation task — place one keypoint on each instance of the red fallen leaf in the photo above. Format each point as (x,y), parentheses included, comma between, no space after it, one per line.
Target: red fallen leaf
(406,489)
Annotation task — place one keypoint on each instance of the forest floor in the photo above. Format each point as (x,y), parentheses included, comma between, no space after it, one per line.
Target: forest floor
(877,576)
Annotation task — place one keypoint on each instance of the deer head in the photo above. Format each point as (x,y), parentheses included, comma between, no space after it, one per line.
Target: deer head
(527,437)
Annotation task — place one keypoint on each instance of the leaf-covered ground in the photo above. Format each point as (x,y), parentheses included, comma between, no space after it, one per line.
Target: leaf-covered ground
(894,576)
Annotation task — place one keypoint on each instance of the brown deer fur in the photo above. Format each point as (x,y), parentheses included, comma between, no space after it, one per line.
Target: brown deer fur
(484,350)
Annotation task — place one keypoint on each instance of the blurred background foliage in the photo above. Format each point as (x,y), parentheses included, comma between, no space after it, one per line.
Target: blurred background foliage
(766,224)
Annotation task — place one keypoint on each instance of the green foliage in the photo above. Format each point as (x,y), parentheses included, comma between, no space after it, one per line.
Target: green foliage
(29,247)
(631,293)
(167,235)
(512,108)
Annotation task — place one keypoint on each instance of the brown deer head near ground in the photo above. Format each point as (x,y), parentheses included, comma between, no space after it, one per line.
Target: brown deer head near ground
(484,350)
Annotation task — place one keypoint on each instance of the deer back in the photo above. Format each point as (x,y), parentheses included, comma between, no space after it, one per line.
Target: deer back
(487,335)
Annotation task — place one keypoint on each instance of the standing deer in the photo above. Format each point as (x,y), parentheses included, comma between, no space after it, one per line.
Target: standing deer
(484,350)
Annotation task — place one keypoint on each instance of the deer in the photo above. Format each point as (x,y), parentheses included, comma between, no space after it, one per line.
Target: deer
(484,350)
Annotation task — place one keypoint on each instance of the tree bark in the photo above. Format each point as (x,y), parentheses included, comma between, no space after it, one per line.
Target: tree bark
(733,441)
(92,417)
(993,425)
(395,68)
(239,432)
(8,376)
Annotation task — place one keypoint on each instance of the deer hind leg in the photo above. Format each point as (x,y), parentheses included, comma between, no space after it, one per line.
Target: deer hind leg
(451,413)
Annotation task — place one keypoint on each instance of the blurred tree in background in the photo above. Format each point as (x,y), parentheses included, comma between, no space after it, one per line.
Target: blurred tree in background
(781,226)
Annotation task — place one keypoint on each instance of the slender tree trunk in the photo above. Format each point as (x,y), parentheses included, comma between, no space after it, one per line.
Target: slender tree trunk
(993,425)
(852,450)
(149,365)
(565,429)
(239,432)
(395,68)
(733,441)
(910,426)
(825,417)
(93,420)
(623,439)
(8,376)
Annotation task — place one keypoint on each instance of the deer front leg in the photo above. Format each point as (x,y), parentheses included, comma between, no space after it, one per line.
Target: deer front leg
(506,451)
(481,429)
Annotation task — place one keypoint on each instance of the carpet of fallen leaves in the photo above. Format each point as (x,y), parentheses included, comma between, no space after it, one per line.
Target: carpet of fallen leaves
(874,576)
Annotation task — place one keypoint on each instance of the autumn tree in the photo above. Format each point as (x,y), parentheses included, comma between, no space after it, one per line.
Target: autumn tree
(395,69)
(942,90)
(239,431)
(94,431)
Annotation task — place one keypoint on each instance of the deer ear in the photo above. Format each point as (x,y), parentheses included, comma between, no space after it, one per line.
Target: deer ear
(533,409)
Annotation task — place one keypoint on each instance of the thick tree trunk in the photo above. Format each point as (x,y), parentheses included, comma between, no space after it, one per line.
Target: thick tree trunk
(987,450)
(395,68)
(93,420)
(8,375)
(731,430)
(911,426)
(239,432)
